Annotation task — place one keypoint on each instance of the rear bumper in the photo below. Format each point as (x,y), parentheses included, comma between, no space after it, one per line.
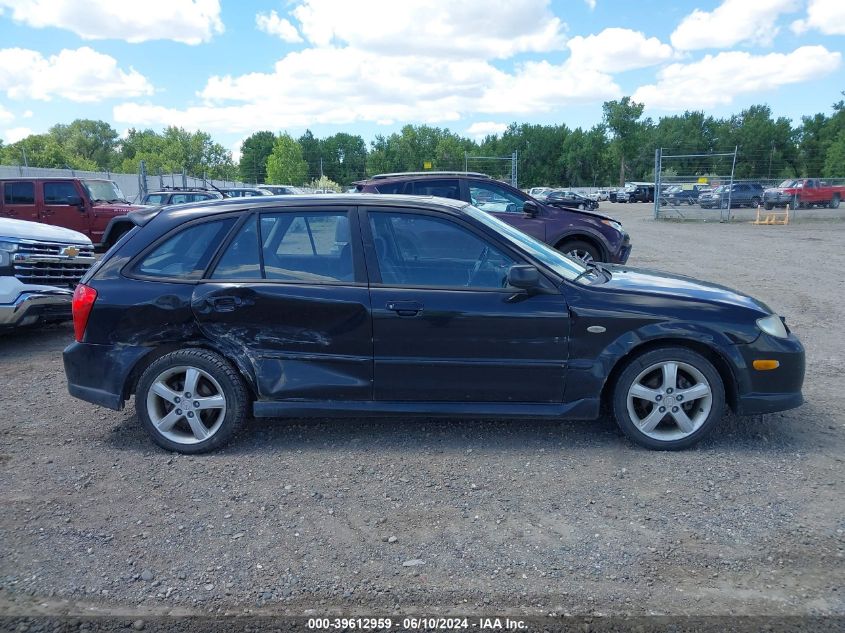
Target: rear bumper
(31,308)
(99,373)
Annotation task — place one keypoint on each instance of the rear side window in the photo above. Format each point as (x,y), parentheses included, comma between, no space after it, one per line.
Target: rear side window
(58,192)
(19,193)
(445,188)
(186,254)
(156,198)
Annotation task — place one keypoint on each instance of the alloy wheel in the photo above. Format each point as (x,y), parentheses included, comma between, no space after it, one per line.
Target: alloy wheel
(186,405)
(669,400)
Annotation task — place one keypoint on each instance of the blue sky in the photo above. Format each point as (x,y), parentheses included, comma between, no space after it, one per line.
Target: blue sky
(369,67)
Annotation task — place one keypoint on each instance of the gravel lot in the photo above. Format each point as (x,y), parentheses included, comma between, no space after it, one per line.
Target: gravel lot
(389,516)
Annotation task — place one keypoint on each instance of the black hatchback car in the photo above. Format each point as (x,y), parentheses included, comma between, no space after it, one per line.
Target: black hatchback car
(406,306)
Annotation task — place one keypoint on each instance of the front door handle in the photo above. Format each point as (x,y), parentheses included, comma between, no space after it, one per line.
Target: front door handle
(405,308)
(224,304)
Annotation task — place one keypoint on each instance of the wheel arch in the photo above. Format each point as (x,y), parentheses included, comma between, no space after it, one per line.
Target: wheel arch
(131,382)
(710,352)
(116,227)
(583,236)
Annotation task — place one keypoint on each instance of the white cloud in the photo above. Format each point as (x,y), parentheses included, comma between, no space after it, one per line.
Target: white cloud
(468,28)
(732,22)
(14,134)
(481,129)
(5,115)
(342,86)
(617,50)
(591,4)
(187,21)
(274,25)
(28,114)
(827,16)
(82,75)
(717,79)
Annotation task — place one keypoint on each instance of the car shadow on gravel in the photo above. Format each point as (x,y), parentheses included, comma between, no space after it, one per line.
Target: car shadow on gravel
(787,432)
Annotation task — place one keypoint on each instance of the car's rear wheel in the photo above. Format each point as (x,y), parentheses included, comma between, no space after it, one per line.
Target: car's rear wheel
(668,399)
(191,401)
(580,250)
(755,202)
(834,202)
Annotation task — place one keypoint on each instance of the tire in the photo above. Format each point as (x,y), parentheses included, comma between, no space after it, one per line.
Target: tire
(581,206)
(768,206)
(581,250)
(755,202)
(646,375)
(215,378)
(834,202)
(796,203)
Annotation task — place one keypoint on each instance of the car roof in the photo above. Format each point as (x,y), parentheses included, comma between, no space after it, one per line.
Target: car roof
(202,208)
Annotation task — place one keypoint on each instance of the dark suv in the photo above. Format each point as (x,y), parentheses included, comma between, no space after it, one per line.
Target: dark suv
(351,305)
(580,233)
(176,195)
(737,195)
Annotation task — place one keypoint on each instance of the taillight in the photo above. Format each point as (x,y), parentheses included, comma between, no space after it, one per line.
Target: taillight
(83,300)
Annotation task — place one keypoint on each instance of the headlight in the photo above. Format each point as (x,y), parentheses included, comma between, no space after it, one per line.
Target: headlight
(772,325)
(9,247)
(612,224)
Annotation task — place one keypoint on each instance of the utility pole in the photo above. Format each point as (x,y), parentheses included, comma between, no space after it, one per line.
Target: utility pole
(23,149)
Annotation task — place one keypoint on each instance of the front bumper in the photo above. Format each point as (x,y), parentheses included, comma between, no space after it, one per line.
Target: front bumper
(776,389)
(31,308)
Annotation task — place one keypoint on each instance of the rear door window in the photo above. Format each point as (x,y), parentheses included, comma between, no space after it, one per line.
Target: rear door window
(391,187)
(19,193)
(442,187)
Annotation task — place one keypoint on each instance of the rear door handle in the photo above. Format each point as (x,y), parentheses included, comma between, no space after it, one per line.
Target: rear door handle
(224,304)
(405,308)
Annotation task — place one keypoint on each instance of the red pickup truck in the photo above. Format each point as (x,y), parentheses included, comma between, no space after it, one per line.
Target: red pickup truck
(94,207)
(806,192)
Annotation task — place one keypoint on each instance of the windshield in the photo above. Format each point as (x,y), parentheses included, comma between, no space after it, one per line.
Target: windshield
(789,183)
(103,191)
(564,266)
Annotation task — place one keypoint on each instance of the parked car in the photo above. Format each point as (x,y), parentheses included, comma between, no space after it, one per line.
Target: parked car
(244,192)
(619,195)
(211,313)
(571,200)
(536,192)
(282,190)
(40,265)
(641,192)
(580,233)
(737,195)
(602,195)
(92,206)
(679,194)
(176,195)
(806,192)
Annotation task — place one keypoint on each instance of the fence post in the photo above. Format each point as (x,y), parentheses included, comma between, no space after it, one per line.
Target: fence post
(658,167)
(142,179)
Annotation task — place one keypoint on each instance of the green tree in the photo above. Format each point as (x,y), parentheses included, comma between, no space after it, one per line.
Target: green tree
(622,118)
(255,150)
(89,141)
(285,164)
(344,157)
(312,152)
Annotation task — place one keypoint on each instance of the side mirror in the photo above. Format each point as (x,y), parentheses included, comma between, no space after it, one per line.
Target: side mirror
(523,276)
(530,208)
(74,201)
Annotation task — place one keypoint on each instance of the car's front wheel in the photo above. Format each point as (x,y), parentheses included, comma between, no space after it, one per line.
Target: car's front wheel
(580,250)
(668,399)
(191,401)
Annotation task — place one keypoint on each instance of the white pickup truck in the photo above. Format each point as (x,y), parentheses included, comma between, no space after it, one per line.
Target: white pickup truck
(40,266)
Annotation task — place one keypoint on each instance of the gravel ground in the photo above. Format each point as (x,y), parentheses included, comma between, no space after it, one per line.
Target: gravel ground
(388,516)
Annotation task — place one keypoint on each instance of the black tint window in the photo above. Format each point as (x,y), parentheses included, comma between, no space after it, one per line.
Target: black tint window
(416,250)
(19,193)
(240,261)
(155,198)
(445,188)
(314,246)
(186,254)
(391,187)
(58,192)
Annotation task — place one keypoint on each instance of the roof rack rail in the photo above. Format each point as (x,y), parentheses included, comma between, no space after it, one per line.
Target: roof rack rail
(173,188)
(475,174)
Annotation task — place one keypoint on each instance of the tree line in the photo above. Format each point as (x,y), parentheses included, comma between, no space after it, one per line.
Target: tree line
(619,148)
